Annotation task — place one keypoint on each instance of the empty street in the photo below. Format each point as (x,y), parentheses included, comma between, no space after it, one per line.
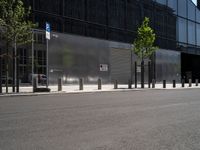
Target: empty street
(133,120)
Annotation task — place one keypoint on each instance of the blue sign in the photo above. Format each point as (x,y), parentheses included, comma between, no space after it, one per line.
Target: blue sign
(48,28)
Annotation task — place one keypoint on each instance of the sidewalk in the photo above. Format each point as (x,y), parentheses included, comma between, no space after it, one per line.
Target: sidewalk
(93,88)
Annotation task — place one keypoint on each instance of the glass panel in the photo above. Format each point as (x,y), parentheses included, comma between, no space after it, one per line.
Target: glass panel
(74,8)
(197,15)
(51,6)
(93,13)
(191,10)
(191,33)
(198,34)
(182,11)
(182,36)
(117,13)
(162,1)
(173,4)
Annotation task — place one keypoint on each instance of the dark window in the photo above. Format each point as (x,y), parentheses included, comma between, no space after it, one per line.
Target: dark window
(191,33)
(198,33)
(182,11)
(162,1)
(74,8)
(173,4)
(133,16)
(191,10)
(117,13)
(182,30)
(97,11)
(50,6)
(197,15)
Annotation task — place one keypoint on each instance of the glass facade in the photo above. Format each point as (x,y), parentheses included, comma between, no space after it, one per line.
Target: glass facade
(188,22)
(115,20)
(118,20)
(175,22)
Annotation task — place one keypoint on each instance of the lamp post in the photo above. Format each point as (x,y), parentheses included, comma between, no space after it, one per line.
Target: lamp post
(32,60)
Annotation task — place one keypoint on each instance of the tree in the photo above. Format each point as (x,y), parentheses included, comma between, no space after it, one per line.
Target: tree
(16,29)
(144,44)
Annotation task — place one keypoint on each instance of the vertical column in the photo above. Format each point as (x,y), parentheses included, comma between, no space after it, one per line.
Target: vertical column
(142,74)
(115,84)
(164,84)
(17,73)
(149,74)
(174,83)
(0,73)
(14,73)
(99,84)
(135,74)
(60,84)
(81,84)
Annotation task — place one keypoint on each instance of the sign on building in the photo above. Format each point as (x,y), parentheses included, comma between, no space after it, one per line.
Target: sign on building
(48,31)
(103,67)
(139,69)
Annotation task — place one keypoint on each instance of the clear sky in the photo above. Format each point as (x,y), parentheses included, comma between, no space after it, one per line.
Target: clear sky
(195,1)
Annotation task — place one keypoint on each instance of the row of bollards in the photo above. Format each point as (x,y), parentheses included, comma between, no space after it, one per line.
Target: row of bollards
(99,83)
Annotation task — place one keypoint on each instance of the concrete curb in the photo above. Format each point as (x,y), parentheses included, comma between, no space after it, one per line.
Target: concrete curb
(95,91)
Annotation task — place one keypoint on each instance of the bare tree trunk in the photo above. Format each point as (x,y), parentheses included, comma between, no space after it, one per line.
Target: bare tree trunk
(13,68)
(17,72)
(142,74)
(0,72)
(142,70)
(14,65)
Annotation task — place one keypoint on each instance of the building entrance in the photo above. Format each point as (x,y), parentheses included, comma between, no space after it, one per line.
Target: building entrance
(190,66)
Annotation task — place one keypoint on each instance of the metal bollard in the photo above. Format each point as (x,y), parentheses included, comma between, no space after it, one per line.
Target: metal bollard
(115,84)
(149,74)
(35,83)
(174,83)
(99,84)
(136,75)
(164,84)
(80,84)
(190,82)
(197,82)
(153,83)
(183,82)
(129,84)
(60,84)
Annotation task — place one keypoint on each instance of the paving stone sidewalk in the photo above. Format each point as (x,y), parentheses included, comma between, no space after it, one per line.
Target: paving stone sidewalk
(27,90)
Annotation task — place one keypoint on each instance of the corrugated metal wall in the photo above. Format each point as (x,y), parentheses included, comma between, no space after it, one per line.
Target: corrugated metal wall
(120,65)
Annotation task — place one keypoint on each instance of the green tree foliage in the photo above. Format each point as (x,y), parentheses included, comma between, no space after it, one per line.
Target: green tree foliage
(15,29)
(143,44)
(14,23)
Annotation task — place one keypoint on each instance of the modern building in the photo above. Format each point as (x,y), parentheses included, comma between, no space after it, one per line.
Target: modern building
(93,39)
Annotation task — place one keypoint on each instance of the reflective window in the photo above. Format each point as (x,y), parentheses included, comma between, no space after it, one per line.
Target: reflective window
(191,10)
(74,9)
(116,13)
(50,6)
(182,11)
(162,1)
(182,35)
(173,4)
(93,14)
(191,33)
(198,34)
(197,15)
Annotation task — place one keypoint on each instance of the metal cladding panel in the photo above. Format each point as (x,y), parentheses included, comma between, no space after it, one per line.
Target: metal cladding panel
(120,65)
(168,65)
(73,57)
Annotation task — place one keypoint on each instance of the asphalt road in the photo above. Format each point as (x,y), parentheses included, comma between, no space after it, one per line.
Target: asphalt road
(137,120)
